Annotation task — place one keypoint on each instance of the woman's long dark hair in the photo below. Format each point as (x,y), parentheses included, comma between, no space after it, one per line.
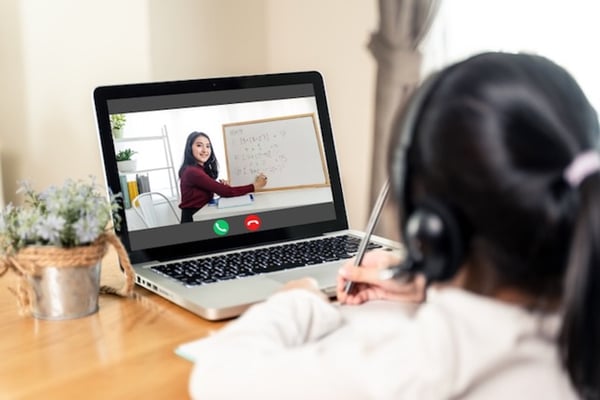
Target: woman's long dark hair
(494,138)
(211,166)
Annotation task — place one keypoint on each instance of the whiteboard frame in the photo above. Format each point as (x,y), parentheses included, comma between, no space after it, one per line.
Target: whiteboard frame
(317,132)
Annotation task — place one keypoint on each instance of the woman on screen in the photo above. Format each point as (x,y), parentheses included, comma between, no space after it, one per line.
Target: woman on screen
(198,177)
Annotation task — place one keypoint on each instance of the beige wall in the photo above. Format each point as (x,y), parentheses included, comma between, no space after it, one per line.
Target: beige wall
(55,52)
(331,36)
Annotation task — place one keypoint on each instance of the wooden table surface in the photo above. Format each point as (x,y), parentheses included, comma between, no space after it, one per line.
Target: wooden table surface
(124,351)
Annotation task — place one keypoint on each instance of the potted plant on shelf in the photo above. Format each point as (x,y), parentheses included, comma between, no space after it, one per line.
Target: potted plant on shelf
(55,242)
(117,122)
(125,162)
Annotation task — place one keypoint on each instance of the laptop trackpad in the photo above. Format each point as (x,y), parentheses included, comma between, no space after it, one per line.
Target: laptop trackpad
(325,275)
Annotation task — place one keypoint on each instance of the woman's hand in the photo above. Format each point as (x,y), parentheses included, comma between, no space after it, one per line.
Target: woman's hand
(368,286)
(307,283)
(224,182)
(260,181)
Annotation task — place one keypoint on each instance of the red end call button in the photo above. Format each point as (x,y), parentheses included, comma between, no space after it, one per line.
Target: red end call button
(252,222)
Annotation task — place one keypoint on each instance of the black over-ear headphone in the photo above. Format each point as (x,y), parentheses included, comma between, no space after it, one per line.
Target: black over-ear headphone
(434,239)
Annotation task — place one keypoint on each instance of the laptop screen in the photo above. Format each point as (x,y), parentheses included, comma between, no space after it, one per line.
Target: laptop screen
(274,125)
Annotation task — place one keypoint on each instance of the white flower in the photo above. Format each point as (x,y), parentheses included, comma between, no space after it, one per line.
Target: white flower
(87,229)
(49,228)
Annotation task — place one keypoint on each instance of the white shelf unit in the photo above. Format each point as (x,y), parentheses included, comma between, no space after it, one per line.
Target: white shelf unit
(154,157)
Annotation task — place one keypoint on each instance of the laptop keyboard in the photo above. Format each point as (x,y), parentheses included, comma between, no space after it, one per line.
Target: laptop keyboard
(259,261)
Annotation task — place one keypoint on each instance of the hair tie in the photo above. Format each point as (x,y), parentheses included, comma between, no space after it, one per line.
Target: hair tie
(582,166)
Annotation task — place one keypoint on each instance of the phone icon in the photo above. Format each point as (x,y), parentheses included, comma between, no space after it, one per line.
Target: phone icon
(252,222)
(221,227)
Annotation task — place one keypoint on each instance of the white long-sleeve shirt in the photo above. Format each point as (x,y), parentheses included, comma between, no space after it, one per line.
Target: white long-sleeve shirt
(457,345)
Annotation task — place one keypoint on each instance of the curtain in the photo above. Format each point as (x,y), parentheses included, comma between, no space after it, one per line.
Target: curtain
(402,26)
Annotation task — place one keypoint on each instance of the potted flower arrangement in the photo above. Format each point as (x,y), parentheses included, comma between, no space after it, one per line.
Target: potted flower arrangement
(125,162)
(117,122)
(55,242)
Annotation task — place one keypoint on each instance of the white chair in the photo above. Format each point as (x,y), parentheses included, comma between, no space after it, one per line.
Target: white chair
(149,212)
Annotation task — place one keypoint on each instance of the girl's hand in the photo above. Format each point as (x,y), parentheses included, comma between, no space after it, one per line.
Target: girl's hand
(368,286)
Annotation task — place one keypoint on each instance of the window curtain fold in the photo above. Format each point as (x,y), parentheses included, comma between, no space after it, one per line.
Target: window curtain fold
(402,26)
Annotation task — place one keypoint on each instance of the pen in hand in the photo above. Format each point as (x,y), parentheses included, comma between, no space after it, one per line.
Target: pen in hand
(364,243)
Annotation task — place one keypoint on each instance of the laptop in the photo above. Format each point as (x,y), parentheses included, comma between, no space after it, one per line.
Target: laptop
(238,253)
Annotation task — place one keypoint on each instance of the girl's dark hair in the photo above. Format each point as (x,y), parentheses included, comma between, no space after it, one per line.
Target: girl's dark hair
(211,166)
(495,136)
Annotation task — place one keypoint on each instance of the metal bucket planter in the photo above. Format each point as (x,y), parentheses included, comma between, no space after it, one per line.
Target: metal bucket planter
(65,293)
(64,283)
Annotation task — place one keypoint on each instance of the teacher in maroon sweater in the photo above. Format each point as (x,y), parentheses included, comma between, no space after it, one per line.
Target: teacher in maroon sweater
(198,177)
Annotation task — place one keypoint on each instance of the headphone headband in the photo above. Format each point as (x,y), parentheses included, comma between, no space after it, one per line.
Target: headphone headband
(406,131)
(431,231)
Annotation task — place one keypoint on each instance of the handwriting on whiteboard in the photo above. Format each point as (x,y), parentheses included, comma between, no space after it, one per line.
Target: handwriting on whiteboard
(286,149)
(262,153)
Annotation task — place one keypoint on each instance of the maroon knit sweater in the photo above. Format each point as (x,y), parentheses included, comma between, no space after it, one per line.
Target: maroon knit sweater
(197,188)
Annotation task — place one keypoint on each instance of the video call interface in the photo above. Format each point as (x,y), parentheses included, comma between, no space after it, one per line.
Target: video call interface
(272,130)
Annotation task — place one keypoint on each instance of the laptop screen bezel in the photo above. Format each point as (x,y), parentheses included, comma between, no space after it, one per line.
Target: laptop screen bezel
(104,94)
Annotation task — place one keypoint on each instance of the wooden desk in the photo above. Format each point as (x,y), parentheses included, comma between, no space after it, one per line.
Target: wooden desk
(124,351)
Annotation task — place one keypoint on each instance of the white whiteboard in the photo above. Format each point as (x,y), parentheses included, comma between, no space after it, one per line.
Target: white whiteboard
(286,149)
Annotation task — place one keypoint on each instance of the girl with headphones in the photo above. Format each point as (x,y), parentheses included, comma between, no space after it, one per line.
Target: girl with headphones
(496,170)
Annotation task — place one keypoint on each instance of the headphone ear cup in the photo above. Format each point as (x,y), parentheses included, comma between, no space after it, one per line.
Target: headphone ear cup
(434,241)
